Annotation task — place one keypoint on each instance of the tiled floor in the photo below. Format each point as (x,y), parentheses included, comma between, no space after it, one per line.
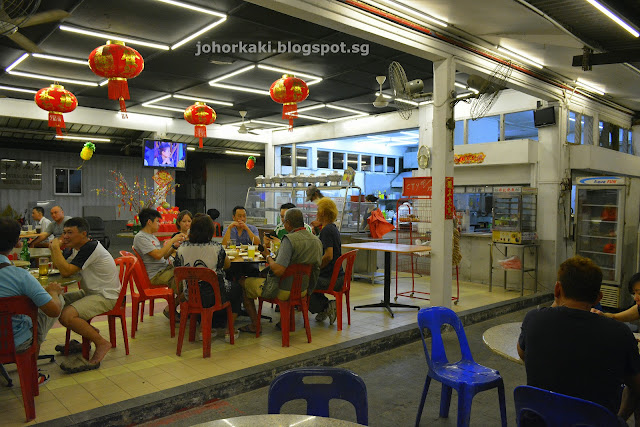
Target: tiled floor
(152,364)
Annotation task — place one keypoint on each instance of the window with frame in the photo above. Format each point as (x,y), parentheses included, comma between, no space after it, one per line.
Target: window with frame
(379,165)
(609,136)
(67,181)
(391,164)
(365,163)
(352,160)
(338,160)
(302,157)
(323,159)
(458,133)
(486,129)
(520,125)
(285,156)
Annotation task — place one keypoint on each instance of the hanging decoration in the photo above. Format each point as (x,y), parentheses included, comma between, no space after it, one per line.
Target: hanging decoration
(288,91)
(468,158)
(251,163)
(56,100)
(200,115)
(87,153)
(116,62)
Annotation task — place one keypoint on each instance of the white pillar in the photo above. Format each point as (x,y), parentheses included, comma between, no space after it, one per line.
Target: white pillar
(442,167)
(269,157)
(635,141)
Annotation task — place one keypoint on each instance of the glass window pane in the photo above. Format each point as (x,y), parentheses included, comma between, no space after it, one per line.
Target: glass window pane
(302,157)
(365,163)
(379,164)
(587,130)
(391,164)
(352,160)
(486,129)
(75,181)
(571,128)
(323,159)
(338,160)
(458,133)
(285,156)
(520,126)
(631,143)
(61,181)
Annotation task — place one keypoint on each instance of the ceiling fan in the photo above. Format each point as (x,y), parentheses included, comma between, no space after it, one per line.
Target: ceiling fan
(16,14)
(243,129)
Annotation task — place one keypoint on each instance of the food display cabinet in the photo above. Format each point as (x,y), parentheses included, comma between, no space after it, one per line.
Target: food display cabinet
(599,230)
(514,214)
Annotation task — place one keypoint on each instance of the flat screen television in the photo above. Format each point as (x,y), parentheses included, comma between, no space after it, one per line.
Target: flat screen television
(164,154)
(544,117)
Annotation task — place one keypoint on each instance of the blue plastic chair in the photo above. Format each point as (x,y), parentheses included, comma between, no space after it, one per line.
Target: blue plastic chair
(345,385)
(465,376)
(560,410)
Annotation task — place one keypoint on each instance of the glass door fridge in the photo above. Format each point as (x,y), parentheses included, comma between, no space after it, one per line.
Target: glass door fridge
(599,228)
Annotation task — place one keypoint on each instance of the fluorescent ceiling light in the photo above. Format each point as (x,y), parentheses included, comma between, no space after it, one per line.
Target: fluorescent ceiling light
(636,69)
(191,148)
(51,78)
(406,101)
(426,102)
(263,122)
(393,144)
(192,7)
(160,107)
(318,119)
(197,33)
(412,134)
(104,82)
(143,117)
(242,153)
(383,138)
(208,101)
(464,95)
(162,98)
(384,95)
(589,86)
(83,138)
(414,12)
(473,90)
(460,85)
(520,57)
(348,110)
(313,107)
(15,63)
(17,89)
(295,73)
(113,37)
(347,118)
(239,88)
(614,17)
(61,58)
(235,73)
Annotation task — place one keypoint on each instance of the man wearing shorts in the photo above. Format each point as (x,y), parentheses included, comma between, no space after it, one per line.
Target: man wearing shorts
(99,288)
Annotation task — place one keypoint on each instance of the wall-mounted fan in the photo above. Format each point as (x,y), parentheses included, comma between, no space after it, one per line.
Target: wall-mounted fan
(16,14)
(488,89)
(404,90)
(244,129)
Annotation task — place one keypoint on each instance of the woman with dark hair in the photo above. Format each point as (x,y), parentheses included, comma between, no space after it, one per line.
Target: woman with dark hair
(183,222)
(217,228)
(201,251)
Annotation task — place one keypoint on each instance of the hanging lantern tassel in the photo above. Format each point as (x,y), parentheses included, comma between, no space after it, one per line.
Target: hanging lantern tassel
(290,111)
(200,132)
(56,120)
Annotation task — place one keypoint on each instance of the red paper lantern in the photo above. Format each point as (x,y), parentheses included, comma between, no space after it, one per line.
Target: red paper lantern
(201,115)
(116,62)
(288,91)
(56,100)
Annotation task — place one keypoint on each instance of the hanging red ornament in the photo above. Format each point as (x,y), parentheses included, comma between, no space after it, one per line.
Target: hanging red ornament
(56,100)
(116,62)
(251,163)
(201,115)
(288,91)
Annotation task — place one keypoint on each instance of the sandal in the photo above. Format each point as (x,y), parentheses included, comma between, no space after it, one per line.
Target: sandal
(74,347)
(246,328)
(78,365)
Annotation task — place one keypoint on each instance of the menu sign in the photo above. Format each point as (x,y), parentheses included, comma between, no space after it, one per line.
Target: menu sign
(20,174)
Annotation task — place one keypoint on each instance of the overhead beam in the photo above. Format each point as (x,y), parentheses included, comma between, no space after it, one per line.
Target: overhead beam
(616,57)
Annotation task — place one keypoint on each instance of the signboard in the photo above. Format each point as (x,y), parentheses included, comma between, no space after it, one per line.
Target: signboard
(511,189)
(417,186)
(448,198)
(601,180)
(20,174)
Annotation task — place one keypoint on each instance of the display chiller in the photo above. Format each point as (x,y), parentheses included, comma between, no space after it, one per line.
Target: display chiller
(599,222)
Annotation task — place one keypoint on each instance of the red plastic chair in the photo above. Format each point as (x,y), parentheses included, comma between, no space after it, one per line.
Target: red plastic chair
(145,292)
(287,312)
(346,286)
(26,361)
(193,306)
(217,229)
(126,265)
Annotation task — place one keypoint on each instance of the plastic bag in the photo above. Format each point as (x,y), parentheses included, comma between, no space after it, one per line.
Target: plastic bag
(511,263)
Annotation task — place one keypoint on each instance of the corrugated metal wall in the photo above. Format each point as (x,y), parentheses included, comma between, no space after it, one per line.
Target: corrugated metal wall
(95,174)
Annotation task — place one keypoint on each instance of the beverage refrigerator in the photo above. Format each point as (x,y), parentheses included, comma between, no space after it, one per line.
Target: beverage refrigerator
(600,203)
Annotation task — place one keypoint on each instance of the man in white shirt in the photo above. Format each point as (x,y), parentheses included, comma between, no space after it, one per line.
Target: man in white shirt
(41,224)
(99,288)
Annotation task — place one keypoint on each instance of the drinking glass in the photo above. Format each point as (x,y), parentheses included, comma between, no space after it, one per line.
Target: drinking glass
(251,251)
(43,266)
(232,244)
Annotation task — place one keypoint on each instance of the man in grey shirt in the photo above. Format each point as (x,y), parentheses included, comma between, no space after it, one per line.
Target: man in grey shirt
(41,223)
(55,228)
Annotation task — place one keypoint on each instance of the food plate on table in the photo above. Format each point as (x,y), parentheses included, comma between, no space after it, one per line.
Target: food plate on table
(54,271)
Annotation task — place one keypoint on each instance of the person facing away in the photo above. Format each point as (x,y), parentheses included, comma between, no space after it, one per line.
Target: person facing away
(570,350)
(217,228)
(16,281)
(55,227)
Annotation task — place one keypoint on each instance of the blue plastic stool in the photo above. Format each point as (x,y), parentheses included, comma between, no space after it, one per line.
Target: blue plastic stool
(345,385)
(560,410)
(465,376)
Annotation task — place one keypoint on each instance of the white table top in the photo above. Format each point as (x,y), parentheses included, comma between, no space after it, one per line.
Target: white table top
(387,247)
(503,340)
(278,420)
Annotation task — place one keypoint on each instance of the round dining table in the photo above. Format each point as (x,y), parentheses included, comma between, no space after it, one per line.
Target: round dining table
(279,420)
(503,340)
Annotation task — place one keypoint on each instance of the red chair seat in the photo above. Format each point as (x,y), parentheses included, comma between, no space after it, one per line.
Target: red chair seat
(346,285)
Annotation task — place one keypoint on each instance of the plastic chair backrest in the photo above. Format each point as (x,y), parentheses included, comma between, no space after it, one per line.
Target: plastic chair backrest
(344,385)
(348,270)
(140,276)
(217,229)
(126,264)
(298,271)
(559,409)
(9,307)
(194,275)
(125,253)
(433,318)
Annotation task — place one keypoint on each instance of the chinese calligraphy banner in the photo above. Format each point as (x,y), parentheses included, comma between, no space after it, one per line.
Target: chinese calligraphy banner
(20,174)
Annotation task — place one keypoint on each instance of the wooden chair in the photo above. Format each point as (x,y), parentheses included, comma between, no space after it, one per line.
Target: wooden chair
(350,257)
(193,306)
(287,312)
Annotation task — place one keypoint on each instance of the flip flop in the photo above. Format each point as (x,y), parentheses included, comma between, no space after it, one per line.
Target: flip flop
(246,329)
(74,347)
(78,365)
